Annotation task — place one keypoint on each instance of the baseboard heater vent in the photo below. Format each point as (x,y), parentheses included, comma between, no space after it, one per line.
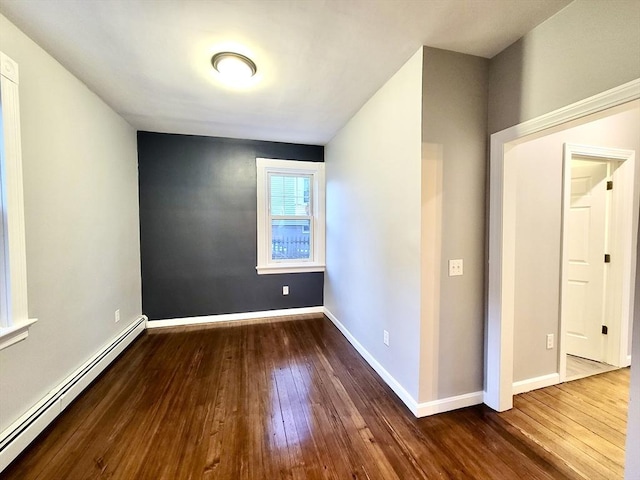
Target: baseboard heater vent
(19,435)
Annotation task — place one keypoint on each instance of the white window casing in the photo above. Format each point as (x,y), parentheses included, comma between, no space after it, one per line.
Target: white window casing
(14,317)
(315,171)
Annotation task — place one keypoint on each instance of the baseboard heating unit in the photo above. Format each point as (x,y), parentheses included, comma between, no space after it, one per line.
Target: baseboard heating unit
(22,432)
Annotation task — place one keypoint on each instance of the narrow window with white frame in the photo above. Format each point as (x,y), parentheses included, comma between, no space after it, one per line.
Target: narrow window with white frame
(290,216)
(14,318)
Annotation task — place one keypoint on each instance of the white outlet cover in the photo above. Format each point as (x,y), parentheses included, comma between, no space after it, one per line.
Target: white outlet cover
(285,290)
(456,267)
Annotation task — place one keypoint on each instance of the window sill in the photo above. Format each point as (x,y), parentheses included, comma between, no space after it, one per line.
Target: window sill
(15,333)
(290,268)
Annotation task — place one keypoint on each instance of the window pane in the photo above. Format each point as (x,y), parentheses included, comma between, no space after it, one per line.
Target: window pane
(290,239)
(290,195)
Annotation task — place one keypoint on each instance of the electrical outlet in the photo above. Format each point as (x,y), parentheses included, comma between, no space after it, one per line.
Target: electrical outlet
(285,290)
(455,267)
(550,341)
(117,315)
(386,338)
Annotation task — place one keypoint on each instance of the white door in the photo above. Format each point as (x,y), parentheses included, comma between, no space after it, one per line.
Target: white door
(586,237)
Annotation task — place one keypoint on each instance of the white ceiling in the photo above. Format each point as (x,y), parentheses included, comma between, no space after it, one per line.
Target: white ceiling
(318,60)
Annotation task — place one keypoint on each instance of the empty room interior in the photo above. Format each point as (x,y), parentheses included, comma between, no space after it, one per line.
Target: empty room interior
(345,239)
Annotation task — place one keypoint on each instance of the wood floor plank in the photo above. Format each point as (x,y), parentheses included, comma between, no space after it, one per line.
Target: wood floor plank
(291,399)
(608,456)
(587,467)
(318,461)
(582,422)
(591,399)
(590,420)
(539,454)
(259,406)
(577,401)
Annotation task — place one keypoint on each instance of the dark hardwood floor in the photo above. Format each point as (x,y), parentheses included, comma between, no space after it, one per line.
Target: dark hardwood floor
(292,399)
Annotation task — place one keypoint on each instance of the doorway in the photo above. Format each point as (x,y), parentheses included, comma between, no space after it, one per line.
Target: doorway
(500,312)
(592,322)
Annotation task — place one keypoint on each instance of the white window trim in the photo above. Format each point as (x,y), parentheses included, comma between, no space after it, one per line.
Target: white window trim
(266,265)
(14,315)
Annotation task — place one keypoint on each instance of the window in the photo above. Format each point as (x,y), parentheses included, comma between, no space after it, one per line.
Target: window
(290,216)
(14,319)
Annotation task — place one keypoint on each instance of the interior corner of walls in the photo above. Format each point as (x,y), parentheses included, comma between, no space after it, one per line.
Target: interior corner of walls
(394,384)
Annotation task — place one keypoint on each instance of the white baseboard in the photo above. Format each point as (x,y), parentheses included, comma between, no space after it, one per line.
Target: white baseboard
(628,361)
(24,430)
(529,384)
(380,370)
(418,409)
(230,317)
(450,403)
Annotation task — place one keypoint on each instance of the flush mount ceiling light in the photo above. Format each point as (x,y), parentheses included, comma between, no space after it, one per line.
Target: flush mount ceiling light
(233,66)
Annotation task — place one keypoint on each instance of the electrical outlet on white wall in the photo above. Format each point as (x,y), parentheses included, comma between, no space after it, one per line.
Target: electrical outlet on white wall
(385,338)
(455,267)
(117,315)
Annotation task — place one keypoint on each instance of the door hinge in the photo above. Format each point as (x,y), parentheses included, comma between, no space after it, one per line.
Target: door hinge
(605,329)
(607,258)
(610,185)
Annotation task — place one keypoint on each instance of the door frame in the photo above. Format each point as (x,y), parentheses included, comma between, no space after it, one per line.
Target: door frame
(498,392)
(623,199)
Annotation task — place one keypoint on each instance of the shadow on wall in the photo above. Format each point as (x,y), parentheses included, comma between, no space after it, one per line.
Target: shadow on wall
(506,87)
(506,72)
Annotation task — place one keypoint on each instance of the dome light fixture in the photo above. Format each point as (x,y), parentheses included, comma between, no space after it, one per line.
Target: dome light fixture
(234,67)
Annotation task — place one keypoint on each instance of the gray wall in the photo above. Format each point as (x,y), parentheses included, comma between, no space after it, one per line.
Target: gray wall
(588,47)
(81,218)
(538,240)
(373,200)
(378,186)
(198,228)
(454,120)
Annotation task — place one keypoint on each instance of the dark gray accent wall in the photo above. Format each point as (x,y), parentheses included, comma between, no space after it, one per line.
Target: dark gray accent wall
(198,228)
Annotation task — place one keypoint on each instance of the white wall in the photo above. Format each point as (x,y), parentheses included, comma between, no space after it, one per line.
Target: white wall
(81,215)
(588,47)
(454,125)
(372,281)
(538,238)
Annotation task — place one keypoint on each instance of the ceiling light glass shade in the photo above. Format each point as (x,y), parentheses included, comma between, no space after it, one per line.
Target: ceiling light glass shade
(233,66)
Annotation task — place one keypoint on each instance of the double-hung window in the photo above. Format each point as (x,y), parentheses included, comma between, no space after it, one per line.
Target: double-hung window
(290,216)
